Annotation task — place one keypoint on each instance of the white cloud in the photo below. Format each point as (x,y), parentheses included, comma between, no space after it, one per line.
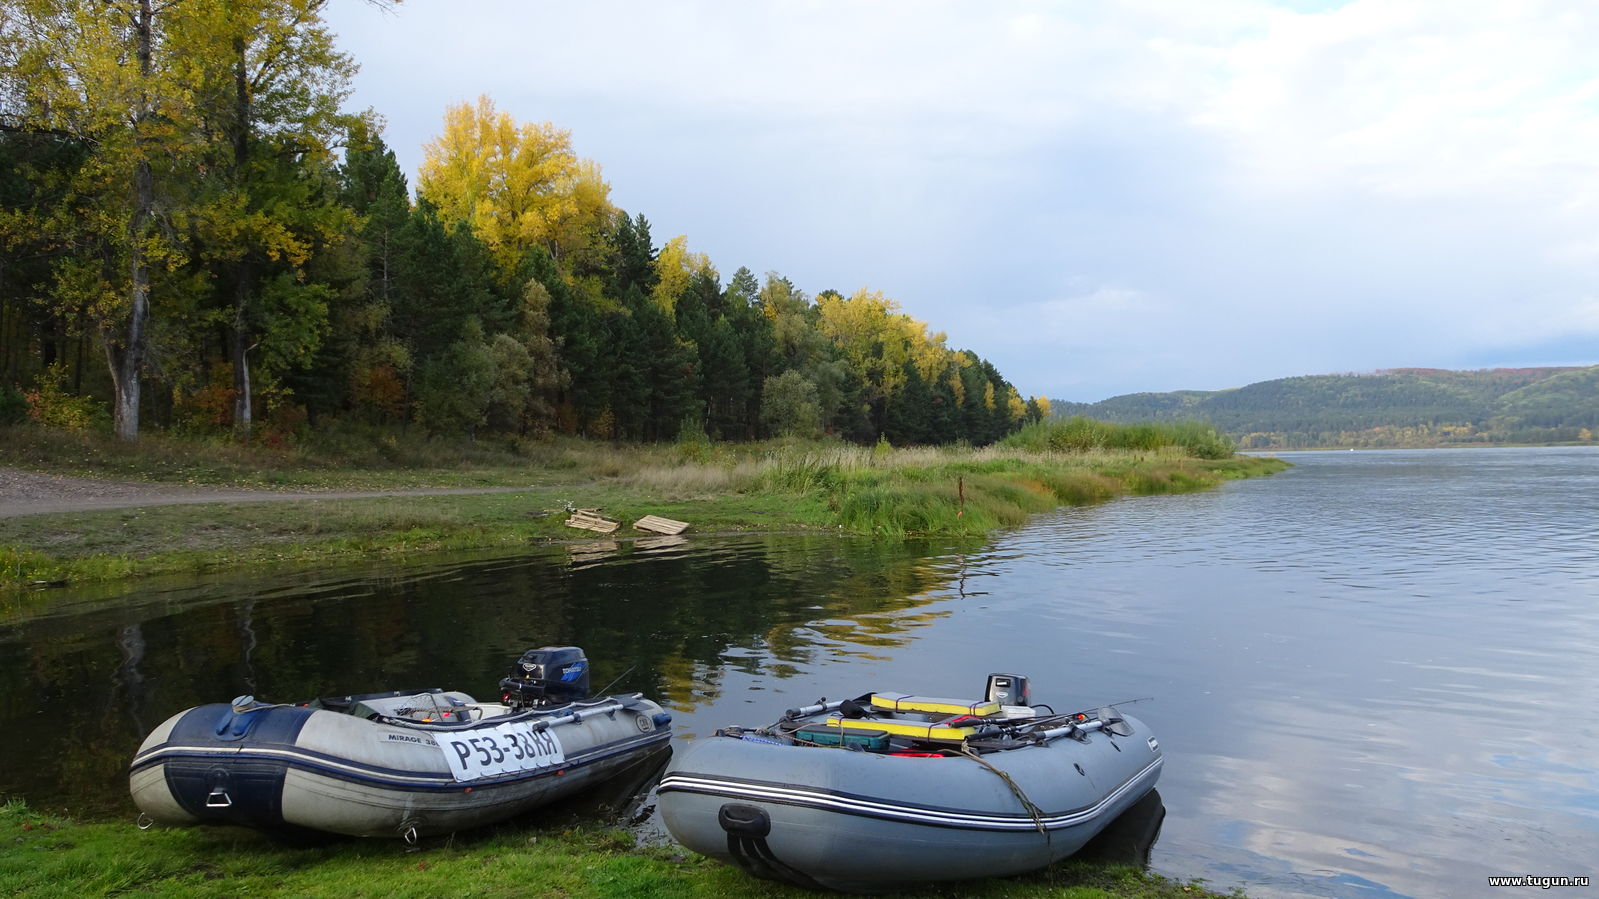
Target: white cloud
(1080,321)
(1383,183)
(1417,99)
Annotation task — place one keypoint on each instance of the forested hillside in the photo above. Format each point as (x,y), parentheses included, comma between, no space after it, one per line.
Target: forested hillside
(197,238)
(1402,407)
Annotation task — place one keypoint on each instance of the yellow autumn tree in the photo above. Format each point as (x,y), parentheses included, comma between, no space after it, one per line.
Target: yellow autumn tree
(675,269)
(1015,406)
(867,331)
(517,185)
(962,359)
(927,351)
(877,341)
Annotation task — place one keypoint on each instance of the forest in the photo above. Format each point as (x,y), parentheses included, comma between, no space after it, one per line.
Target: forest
(1412,407)
(197,237)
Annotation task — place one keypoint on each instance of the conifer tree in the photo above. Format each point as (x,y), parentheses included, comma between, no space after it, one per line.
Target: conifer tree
(363,365)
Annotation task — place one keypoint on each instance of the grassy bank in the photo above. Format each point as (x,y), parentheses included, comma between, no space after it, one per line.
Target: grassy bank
(718,488)
(44,855)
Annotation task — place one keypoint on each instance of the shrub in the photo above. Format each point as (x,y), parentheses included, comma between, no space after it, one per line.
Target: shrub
(789,405)
(693,445)
(51,405)
(208,407)
(13,406)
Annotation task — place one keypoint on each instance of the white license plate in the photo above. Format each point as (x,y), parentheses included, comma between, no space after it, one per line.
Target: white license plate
(506,749)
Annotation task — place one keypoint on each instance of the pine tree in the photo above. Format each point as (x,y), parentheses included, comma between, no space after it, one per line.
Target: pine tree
(908,412)
(363,365)
(632,257)
(443,276)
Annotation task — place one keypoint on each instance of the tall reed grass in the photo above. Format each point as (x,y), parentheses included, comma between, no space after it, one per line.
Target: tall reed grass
(956,491)
(1079,434)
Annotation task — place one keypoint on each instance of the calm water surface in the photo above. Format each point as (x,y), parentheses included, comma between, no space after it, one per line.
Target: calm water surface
(1372,675)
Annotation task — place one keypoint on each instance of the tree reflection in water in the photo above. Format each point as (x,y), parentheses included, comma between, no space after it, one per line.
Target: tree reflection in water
(681,614)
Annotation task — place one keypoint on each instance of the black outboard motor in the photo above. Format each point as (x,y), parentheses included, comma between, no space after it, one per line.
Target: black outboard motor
(1009,689)
(547,676)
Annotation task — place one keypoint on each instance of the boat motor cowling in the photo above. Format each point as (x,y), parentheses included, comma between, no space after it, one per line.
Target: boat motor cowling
(1009,689)
(547,676)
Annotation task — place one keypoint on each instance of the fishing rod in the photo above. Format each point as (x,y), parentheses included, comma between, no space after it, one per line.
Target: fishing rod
(1078,723)
(1112,705)
(1075,721)
(607,688)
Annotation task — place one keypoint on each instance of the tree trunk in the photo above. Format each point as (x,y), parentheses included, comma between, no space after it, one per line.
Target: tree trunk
(242,404)
(240,352)
(8,353)
(127,360)
(243,271)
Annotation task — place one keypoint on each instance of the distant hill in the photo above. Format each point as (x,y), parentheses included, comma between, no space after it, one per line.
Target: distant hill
(1398,407)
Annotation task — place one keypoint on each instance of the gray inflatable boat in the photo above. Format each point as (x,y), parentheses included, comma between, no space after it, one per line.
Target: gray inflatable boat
(891,789)
(399,764)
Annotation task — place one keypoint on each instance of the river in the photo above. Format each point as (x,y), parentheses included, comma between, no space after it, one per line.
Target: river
(1371,675)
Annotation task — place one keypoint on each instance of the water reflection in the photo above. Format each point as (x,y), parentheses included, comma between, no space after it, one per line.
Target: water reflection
(127,686)
(1129,839)
(672,620)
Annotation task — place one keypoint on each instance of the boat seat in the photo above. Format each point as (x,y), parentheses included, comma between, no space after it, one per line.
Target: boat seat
(915,730)
(903,702)
(420,708)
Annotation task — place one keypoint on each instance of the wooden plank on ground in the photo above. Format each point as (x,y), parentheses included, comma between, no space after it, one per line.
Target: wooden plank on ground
(655,524)
(592,520)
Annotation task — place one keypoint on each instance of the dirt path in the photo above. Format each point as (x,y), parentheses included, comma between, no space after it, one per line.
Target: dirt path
(29,493)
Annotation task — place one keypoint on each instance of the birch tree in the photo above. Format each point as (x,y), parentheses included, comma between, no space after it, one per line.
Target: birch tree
(519,185)
(106,74)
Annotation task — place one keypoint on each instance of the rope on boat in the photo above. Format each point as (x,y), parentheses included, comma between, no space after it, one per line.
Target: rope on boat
(966,750)
(248,703)
(1033,810)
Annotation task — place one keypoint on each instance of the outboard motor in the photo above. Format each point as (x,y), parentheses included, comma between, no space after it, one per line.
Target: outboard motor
(1009,689)
(547,676)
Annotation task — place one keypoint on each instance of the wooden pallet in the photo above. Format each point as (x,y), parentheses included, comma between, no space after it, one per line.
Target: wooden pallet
(658,544)
(655,524)
(592,520)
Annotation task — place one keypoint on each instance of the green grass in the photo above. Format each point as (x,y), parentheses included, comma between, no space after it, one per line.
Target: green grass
(339,457)
(774,486)
(974,492)
(45,855)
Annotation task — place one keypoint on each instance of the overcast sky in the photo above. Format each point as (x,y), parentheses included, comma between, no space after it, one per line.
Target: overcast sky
(1099,197)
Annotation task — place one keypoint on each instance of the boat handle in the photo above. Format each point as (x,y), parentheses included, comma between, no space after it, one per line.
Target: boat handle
(817,709)
(218,799)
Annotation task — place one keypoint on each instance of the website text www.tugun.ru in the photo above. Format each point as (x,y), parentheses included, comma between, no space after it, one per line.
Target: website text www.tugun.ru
(1542,881)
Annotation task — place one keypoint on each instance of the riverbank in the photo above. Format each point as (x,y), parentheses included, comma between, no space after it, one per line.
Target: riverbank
(47,855)
(718,488)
